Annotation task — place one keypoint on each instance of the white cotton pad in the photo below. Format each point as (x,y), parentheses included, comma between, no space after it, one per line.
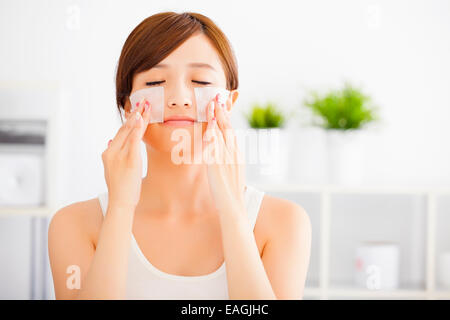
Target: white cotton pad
(155,96)
(203,95)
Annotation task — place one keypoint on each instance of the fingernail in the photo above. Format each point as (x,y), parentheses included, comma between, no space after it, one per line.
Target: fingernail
(137,104)
(147,103)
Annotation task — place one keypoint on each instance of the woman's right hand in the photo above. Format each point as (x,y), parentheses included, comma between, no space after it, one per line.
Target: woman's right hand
(122,160)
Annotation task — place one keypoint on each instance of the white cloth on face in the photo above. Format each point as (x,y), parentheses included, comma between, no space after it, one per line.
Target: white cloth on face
(203,95)
(155,96)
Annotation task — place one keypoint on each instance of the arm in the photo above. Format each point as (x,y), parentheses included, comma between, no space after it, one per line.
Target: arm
(106,278)
(100,272)
(287,253)
(247,279)
(103,269)
(281,271)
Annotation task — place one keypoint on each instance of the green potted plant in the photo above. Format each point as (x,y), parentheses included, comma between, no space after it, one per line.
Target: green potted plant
(265,116)
(267,123)
(343,113)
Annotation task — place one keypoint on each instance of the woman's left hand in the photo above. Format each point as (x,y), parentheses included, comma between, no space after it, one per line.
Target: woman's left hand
(225,166)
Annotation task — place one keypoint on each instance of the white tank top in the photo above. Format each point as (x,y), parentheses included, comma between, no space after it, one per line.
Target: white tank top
(145,281)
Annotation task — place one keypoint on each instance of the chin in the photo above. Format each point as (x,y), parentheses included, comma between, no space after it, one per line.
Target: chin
(159,136)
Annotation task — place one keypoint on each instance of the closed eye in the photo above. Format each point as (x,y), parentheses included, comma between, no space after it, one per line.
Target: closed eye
(201,82)
(155,83)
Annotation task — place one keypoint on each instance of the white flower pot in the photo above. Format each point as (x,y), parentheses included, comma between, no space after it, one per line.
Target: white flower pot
(345,157)
(377,265)
(308,156)
(271,149)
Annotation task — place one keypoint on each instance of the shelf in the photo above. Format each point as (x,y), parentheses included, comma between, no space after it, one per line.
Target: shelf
(344,216)
(312,292)
(356,219)
(33,211)
(441,294)
(340,292)
(336,189)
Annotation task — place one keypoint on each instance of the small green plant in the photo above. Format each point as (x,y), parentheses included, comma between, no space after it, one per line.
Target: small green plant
(265,116)
(344,109)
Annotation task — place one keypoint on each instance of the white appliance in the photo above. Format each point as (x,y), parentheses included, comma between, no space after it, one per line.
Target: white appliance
(377,265)
(22,163)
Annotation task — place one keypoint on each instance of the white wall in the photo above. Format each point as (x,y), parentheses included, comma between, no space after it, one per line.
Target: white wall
(396,50)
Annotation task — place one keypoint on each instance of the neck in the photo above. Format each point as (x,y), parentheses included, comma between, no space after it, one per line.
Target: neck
(175,191)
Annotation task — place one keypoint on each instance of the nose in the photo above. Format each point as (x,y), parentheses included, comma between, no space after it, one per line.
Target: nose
(180,97)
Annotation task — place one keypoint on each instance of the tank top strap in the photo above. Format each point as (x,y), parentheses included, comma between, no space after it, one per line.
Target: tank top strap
(103,199)
(253,200)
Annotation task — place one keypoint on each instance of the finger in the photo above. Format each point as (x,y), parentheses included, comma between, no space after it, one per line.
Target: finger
(223,119)
(209,145)
(213,142)
(137,107)
(124,131)
(146,115)
(224,125)
(210,117)
(225,131)
(210,114)
(140,106)
(132,143)
(228,105)
(215,123)
(209,132)
(131,122)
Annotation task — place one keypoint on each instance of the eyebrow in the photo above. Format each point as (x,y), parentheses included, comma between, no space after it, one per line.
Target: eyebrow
(193,65)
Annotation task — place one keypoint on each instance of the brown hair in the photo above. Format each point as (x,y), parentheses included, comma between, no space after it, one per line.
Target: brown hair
(160,34)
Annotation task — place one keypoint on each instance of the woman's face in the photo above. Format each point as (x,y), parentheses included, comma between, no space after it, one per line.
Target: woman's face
(193,64)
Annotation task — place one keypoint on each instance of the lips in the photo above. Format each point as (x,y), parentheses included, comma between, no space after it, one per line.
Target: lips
(179,120)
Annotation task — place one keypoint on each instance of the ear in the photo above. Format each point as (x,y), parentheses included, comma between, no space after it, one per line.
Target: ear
(233,96)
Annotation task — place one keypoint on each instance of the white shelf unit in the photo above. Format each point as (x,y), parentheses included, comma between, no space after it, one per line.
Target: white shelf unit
(320,205)
(26,272)
(27,211)
(335,217)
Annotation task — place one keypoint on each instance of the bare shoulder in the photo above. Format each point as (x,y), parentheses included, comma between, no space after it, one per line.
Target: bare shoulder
(282,216)
(72,235)
(287,251)
(83,217)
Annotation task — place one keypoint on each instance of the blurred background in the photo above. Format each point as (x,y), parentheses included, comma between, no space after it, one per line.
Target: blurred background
(355,92)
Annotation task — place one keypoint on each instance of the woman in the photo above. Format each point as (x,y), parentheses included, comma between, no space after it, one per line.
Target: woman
(184,231)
